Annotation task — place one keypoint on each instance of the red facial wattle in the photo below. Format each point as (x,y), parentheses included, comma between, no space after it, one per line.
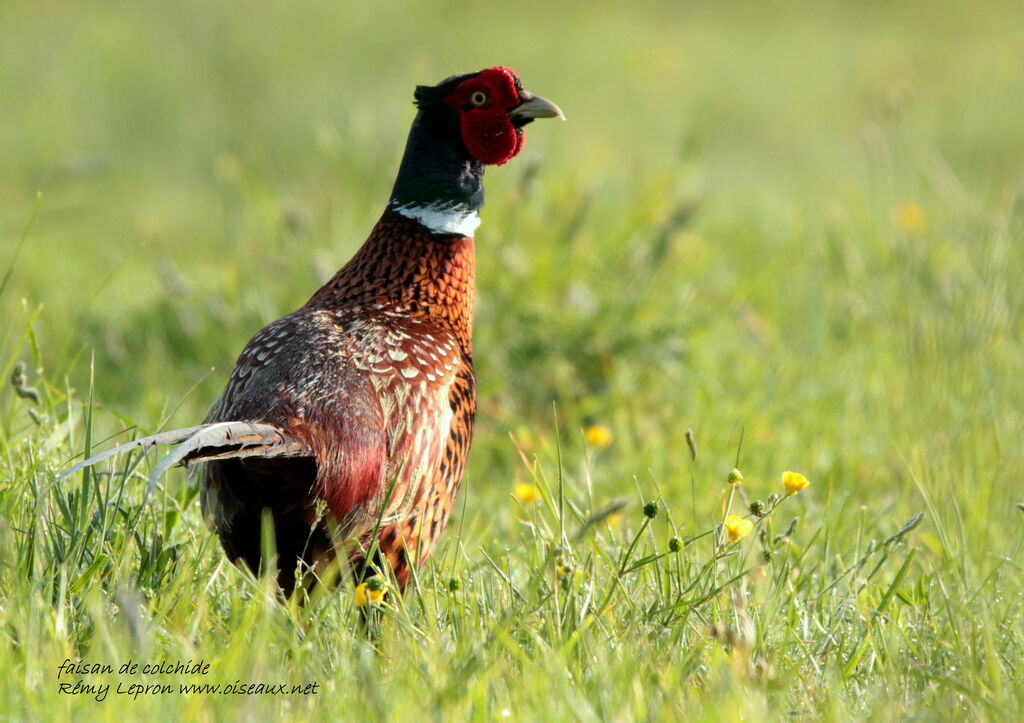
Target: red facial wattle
(488,131)
(492,140)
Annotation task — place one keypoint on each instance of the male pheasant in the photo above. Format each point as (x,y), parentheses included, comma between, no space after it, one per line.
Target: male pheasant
(349,420)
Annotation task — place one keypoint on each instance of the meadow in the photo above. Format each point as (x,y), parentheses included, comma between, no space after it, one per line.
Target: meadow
(770,237)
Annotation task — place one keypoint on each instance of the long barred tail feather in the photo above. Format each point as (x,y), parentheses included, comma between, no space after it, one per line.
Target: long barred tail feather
(220,440)
(144,443)
(232,440)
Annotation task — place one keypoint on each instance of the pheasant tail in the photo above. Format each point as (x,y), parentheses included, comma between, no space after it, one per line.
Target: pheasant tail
(220,440)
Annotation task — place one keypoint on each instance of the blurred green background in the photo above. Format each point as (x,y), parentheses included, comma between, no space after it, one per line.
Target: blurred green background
(797,221)
(708,242)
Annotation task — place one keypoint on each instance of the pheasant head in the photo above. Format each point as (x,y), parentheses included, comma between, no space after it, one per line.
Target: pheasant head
(464,123)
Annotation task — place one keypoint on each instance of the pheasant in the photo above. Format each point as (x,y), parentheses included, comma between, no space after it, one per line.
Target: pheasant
(349,420)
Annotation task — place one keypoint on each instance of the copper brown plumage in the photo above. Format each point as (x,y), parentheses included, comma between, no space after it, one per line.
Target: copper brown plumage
(373,375)
(348,421)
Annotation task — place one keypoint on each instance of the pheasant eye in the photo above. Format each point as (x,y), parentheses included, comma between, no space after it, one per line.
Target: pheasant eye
(479,98)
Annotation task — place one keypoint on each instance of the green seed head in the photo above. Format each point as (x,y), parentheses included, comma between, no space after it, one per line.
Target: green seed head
(651,510)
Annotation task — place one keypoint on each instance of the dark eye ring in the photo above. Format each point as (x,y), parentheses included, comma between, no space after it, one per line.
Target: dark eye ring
(479,98)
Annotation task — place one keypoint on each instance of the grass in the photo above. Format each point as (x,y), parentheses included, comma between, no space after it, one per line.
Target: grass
(793,229)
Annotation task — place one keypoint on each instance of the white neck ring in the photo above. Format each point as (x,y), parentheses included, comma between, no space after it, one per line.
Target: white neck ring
(442,219)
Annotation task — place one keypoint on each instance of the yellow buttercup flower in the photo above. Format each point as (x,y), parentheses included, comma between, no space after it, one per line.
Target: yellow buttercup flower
(597,436)
(738,527)
(793,482)
(527,493)
(908,217)
(371,592)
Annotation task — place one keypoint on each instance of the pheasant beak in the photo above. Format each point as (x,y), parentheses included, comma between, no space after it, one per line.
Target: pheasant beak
(533,106)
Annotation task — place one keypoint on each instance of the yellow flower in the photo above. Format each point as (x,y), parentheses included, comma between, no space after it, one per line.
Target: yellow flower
(371,592)
(738,527)
(908,217)
(793,482)
(597,436)
(527,493)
